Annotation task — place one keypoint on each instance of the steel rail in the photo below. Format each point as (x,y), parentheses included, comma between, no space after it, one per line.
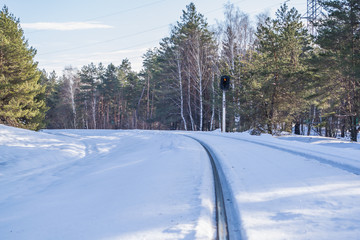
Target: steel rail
(334,164)
(227,221)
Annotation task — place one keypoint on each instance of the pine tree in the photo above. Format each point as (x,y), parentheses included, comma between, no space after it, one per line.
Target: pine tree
(88,94)
(109,90)
(339,36)
(278,69)
(150,72)
(21,94)
(50,95)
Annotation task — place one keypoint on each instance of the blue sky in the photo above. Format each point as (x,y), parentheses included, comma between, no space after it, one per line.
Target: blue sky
(78,32)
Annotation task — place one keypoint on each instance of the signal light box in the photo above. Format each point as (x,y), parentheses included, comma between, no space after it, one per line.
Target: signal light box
(225,83)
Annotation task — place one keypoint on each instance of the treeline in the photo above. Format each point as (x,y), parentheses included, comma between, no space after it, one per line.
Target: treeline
(96,97)
(282,78)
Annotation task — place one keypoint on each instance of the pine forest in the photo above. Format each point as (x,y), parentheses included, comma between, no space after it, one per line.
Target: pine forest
(283,78)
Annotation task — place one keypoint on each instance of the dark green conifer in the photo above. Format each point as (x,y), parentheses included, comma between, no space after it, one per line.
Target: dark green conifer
(21,94)
(339,37)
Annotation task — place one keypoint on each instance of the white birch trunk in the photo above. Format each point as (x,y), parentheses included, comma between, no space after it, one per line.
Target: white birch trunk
(72,96)
(213,103)
(181,90)
(200,82)
(189,102)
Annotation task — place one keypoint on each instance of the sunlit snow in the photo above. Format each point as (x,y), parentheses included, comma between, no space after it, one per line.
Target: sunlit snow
(117,184)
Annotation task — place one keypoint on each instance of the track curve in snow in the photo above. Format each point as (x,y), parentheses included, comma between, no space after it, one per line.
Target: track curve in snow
(342,166)
(327,161)
(227,220)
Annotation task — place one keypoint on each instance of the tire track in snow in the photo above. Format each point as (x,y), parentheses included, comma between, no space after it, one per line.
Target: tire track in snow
(227,220)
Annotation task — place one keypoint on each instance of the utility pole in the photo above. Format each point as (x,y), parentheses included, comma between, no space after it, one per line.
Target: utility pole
(223,125)
(224,85)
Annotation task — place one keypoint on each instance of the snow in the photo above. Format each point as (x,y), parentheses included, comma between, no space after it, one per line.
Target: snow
(283,195)
(103,185)
(117,184)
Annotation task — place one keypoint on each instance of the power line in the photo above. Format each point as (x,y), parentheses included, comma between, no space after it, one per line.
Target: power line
(126,10)
(102,42)
(119,49)
(129,35)
(115,13)
(124,36)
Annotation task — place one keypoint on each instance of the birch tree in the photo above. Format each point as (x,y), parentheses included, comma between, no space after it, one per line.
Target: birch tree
(198,50)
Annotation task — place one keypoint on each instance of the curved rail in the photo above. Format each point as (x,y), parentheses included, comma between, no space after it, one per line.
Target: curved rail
(227,221)
(342,166)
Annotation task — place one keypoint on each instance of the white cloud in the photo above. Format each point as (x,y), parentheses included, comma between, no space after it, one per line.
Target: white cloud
(64,26)
(137,50)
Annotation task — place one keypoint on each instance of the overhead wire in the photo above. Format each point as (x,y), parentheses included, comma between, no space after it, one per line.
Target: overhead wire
(130,35)
(102,42)
(113,14)
(126,10)
(121,49)
(124,36)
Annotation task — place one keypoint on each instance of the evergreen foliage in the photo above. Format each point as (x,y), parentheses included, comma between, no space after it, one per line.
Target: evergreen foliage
(278,70)
(339,39)
(22,99)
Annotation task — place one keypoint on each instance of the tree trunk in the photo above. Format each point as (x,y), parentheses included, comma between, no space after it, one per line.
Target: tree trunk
(137,108)
(353,129)
(212,103)
(343,129)
(189,101)
(297,128)
(311,119)
(93,108)
(201,105)
(72,96)
(181,90)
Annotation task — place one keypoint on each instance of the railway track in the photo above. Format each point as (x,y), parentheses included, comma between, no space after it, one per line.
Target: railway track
(227,220)
(310,156)
(342,166)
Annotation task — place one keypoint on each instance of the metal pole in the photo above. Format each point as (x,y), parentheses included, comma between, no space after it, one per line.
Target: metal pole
(224,112)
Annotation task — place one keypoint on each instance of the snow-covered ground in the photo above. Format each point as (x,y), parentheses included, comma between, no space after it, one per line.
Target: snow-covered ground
(285,190)
(104,184)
